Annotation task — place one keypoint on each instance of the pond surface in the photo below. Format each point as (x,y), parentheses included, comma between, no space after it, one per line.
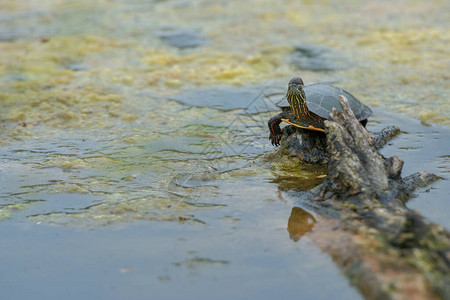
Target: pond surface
(134,153)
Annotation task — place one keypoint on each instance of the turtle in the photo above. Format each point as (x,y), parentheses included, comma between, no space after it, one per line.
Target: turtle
(309,106)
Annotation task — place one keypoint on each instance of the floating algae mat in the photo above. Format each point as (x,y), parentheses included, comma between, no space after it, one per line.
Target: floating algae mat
(134,151)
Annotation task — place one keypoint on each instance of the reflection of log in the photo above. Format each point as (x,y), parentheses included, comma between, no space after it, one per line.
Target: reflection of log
(386,250)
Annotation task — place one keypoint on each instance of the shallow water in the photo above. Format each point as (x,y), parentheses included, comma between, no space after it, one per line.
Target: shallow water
(134,145)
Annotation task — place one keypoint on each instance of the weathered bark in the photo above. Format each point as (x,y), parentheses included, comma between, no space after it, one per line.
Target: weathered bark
(386,250)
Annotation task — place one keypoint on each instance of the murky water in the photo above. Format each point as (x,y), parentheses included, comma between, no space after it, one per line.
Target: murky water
(134,149)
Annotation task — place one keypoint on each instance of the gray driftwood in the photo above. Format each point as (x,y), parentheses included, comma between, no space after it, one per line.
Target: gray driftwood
(386,250)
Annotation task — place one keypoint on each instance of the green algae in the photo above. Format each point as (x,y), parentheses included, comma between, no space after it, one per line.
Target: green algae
(127,207)
(291,173)
(7,210)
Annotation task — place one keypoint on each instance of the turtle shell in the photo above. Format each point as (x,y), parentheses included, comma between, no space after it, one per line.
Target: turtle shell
(321,98)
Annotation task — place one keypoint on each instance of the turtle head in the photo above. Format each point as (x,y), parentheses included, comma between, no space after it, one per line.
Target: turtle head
(296,80)
(296,97)
(295,84)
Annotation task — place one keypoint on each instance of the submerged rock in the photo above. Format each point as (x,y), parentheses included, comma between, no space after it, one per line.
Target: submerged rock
(311,146)
(183,38)
(316,58)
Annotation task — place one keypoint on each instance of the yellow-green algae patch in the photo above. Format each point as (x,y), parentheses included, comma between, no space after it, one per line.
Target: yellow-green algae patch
(119,208)
(69,108)
(8,210)
(210,67)
(44,90)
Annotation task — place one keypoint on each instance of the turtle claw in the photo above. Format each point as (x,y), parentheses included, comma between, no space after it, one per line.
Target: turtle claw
(275,139)
(274,129)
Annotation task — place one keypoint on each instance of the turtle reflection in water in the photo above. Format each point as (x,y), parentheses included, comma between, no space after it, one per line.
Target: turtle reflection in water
(300,222)
(307,107)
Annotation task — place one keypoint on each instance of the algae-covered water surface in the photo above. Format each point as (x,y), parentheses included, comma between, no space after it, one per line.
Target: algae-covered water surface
(134,153)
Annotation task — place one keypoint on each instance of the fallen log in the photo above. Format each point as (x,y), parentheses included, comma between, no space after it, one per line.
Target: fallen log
(386,250)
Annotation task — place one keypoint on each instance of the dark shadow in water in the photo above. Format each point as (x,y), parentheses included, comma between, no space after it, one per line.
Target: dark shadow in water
(317,58)
(183,38)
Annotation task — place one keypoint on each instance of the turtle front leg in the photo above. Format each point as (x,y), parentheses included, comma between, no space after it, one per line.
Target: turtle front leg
(275,130)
